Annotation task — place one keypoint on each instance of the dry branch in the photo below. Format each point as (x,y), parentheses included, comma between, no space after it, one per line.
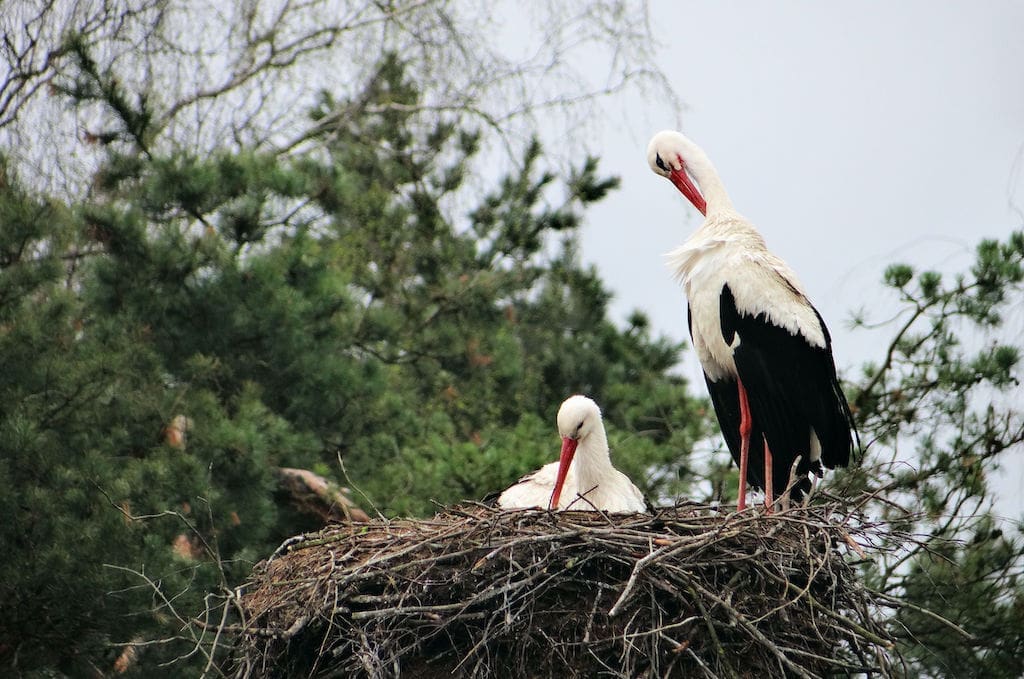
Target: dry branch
(476,591)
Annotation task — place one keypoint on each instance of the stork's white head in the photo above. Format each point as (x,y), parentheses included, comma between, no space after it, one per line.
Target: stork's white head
(675,157)
(578,417)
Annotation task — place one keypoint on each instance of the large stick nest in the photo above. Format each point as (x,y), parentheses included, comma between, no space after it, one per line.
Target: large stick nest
(689,591)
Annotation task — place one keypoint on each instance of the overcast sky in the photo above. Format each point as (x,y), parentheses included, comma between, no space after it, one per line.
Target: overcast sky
(853,135)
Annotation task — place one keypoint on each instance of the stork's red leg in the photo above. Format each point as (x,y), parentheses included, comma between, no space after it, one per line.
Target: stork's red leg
(769,489)
(745,423)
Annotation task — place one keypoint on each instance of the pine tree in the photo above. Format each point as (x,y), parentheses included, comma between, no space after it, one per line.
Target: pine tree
(81,453)
(942,414)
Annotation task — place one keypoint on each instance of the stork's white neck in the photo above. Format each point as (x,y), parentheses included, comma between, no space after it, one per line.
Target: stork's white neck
(710,184)
(592,461)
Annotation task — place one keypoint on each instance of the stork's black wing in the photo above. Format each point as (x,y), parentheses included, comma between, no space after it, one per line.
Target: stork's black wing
(791,388)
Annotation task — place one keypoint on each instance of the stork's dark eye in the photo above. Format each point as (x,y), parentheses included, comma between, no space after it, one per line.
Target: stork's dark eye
(579,426)
(660,163)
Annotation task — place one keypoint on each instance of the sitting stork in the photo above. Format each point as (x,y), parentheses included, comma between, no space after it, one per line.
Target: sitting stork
(583,478)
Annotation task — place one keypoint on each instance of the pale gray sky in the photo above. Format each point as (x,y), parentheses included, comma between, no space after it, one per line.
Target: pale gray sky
(851,134)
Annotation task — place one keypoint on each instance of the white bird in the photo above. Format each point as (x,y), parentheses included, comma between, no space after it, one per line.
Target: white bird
(583,478)
(765,350)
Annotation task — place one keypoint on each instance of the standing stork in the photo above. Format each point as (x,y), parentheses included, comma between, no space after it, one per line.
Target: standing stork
(765,350)
(584,469)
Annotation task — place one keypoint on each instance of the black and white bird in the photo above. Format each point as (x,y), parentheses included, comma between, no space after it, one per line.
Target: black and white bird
(765,350)
(583,478)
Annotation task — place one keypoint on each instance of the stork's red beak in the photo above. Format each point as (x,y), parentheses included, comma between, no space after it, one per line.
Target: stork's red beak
(564,460)
(688,189)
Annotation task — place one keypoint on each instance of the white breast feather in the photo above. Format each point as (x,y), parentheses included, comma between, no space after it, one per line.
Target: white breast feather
(534,490)
(615,492)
